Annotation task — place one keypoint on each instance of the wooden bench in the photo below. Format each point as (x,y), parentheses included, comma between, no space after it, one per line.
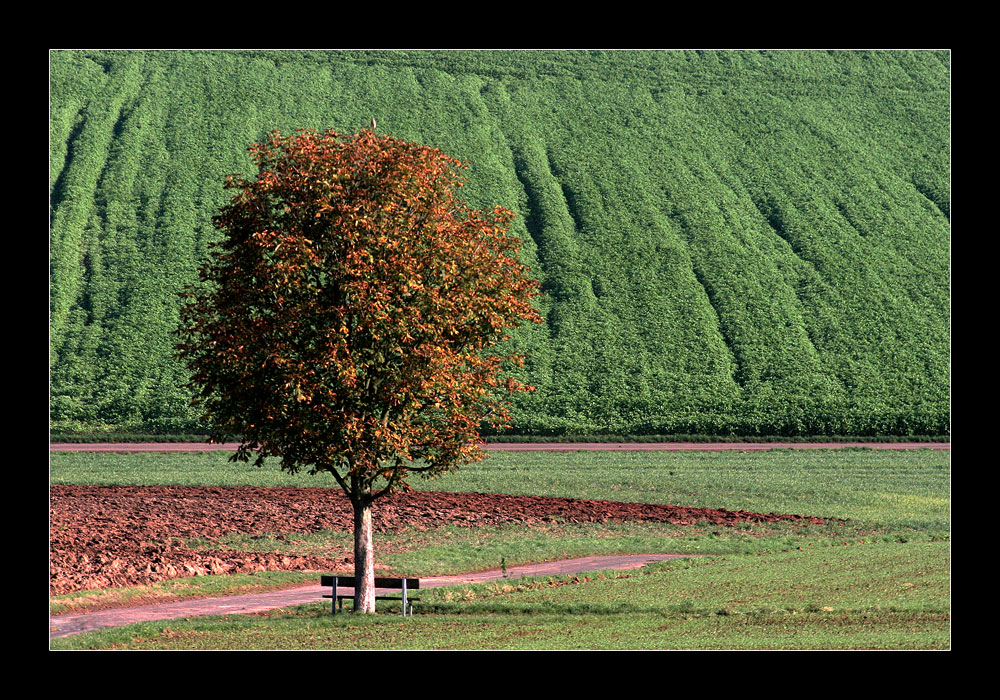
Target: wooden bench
(337,582)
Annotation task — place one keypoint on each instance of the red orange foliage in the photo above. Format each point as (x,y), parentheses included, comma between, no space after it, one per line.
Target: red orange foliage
(347,320)
(348,314)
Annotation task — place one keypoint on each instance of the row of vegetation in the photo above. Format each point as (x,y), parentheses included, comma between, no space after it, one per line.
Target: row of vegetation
(730,243)
(116,436)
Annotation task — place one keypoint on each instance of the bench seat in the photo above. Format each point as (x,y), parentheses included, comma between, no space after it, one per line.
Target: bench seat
(404,584)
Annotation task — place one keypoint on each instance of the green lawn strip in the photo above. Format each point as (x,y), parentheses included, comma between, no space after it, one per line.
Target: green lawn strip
(857,577)
(879,630)
(454,550)
(451,549)
(873,596)
(907,490)
(177,589)
(211,468)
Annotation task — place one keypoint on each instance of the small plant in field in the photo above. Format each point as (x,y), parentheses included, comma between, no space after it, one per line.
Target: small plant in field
(685,608)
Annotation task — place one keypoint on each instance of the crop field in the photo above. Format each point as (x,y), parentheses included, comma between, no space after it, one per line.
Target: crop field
(866,567)
(730,243)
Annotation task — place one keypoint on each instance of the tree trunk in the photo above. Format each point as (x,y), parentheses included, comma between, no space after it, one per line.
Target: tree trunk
(364,557)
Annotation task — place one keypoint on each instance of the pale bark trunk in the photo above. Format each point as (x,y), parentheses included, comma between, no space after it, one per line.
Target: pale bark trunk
(364,558)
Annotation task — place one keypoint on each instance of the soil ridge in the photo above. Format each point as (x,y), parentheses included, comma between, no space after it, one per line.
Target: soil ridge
(117,536)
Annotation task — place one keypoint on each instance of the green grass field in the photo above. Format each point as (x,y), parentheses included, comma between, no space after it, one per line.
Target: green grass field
(730,242)
(881,580)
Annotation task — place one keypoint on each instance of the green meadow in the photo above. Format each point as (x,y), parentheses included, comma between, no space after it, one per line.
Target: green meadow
(876,577)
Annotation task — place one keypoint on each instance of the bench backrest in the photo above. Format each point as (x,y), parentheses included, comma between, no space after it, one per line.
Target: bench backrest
(348,582)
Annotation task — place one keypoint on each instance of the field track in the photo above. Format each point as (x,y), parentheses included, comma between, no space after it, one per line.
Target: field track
(65,625)
(531,446)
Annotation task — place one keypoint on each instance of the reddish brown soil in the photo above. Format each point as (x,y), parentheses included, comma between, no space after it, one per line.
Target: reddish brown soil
(109,536)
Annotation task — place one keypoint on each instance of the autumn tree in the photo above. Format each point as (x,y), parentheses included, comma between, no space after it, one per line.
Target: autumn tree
(348,320)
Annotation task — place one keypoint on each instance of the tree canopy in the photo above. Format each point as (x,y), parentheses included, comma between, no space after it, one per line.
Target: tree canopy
(348,321)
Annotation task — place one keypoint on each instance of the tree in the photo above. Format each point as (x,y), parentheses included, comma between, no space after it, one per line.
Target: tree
(348,320)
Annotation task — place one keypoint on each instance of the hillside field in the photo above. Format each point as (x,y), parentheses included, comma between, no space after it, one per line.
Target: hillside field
(730,243)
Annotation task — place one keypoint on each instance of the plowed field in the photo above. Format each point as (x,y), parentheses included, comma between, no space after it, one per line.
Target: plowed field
(110,536)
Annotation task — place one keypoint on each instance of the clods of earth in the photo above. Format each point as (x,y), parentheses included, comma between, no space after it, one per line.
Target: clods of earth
(115,536)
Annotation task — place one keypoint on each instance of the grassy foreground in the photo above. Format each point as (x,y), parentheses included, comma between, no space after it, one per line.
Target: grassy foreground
(881,580)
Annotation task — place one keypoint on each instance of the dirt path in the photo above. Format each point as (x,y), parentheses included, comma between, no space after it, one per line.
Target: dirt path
(532,446)
(65,625)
